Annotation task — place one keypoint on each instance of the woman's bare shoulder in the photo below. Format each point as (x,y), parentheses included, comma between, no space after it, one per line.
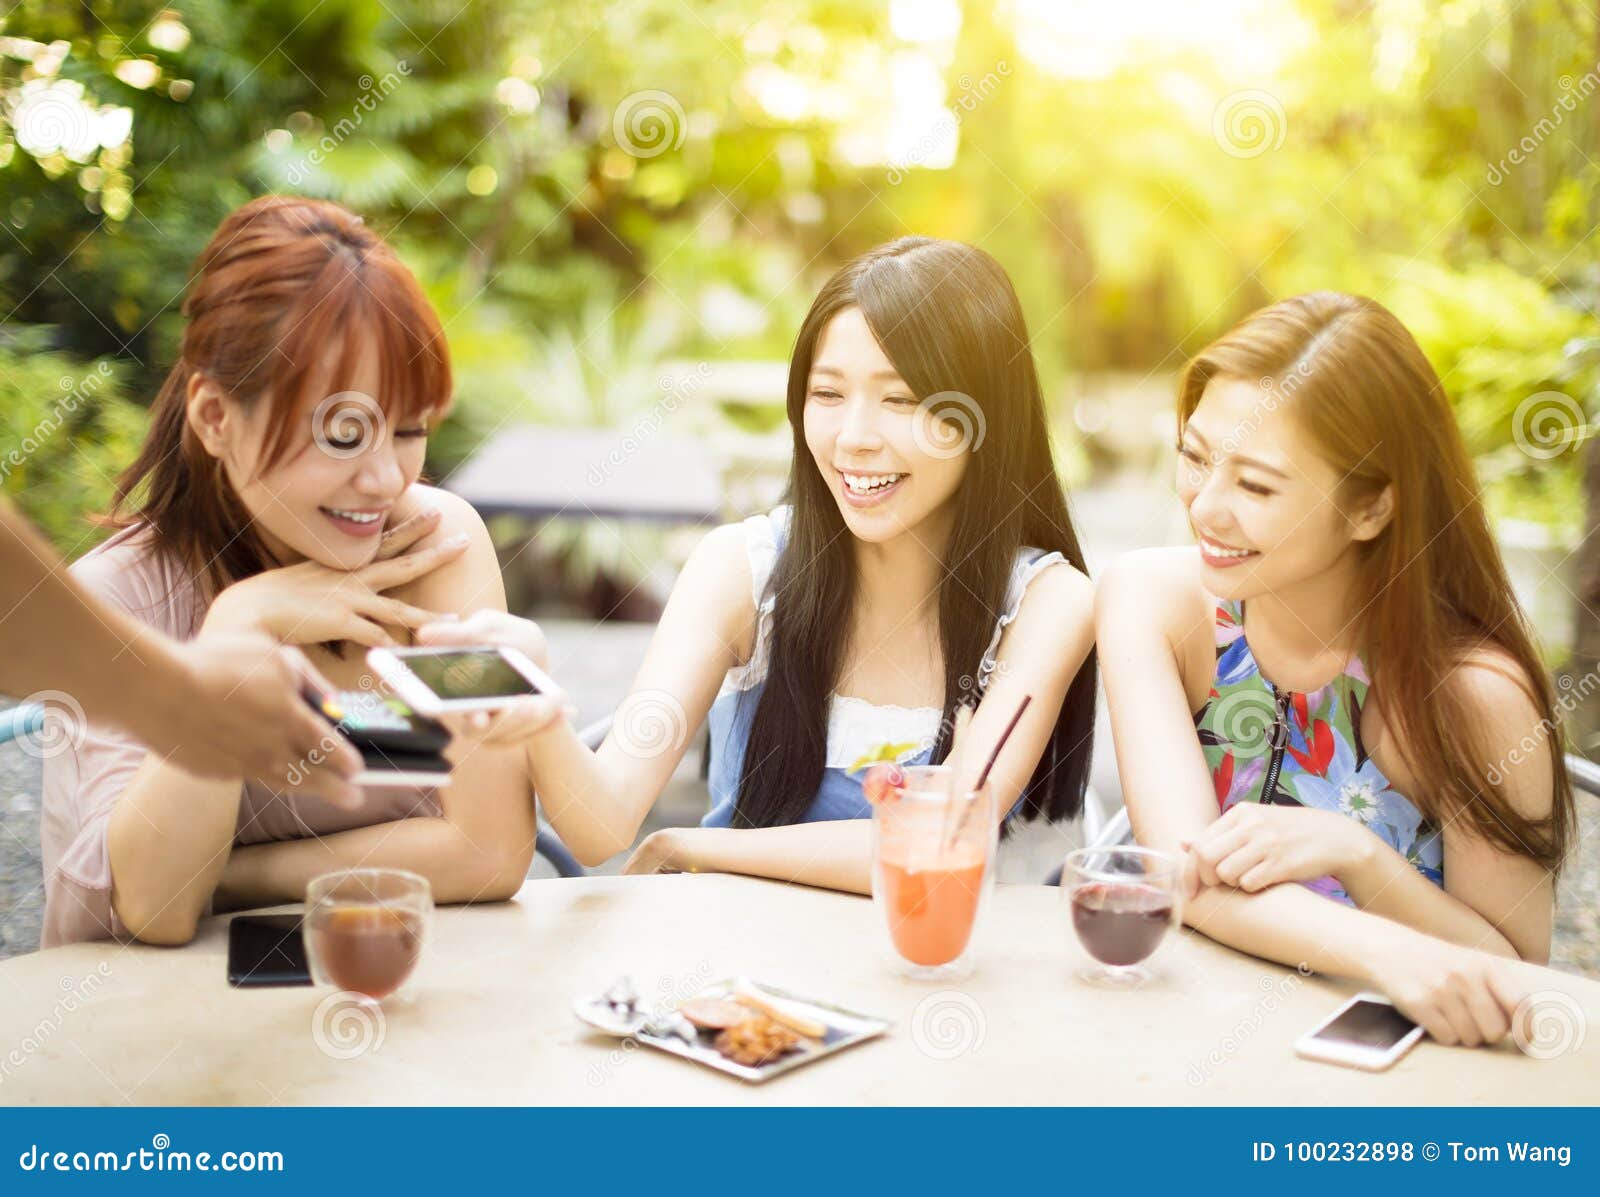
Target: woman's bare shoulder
(1158,587)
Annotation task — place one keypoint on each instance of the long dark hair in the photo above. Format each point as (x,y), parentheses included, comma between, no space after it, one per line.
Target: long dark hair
(947,317)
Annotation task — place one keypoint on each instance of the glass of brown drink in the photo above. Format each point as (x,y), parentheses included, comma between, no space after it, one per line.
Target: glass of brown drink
(364,928)
(1123,901)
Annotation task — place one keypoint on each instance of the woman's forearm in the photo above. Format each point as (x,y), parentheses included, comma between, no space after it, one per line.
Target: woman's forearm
(168,838)
(589,798)
(457,869)
(117,670)
(1292,925)
(1385,883)
(831,855)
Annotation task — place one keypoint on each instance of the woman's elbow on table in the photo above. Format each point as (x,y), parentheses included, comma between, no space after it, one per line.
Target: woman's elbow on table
(591,841)
(510,875)
(593,852)
(493,875)
(168,926)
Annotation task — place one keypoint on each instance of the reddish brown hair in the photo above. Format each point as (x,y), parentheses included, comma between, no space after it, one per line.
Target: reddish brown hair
(1433,588)
(283,281)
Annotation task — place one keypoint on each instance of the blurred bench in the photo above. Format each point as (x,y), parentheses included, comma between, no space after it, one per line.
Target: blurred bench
(539,472)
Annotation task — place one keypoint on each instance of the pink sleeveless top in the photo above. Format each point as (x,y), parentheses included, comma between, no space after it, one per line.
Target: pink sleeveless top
(82,783)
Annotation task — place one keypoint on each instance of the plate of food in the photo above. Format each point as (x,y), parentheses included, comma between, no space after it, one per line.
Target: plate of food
(747,1029)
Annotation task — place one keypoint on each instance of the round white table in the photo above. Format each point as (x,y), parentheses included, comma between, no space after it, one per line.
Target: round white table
(490,1020)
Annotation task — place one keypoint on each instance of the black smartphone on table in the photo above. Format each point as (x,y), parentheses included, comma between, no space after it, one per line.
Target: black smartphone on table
(267,950)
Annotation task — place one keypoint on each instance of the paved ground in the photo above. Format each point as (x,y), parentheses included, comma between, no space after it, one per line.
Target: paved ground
(596,661)
(21,901)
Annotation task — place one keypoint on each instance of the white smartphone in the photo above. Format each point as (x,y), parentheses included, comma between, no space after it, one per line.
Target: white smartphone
(439,681)
(1366,1032)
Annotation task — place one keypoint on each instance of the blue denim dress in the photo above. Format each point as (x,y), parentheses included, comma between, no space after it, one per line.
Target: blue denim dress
(856,728)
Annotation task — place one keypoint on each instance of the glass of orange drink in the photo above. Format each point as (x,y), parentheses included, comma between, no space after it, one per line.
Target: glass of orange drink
(933,846)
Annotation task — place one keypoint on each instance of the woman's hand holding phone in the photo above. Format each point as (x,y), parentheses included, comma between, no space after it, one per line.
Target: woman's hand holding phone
(523,717)
(310,603)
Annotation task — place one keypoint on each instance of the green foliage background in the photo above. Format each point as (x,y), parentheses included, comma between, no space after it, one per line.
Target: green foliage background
(1133,235)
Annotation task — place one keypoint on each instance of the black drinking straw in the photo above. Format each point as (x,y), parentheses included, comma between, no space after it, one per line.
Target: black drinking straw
(989,764)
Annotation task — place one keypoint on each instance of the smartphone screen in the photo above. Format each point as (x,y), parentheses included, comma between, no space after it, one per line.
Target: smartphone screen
(1375,1025)
(267,949)
(467,674)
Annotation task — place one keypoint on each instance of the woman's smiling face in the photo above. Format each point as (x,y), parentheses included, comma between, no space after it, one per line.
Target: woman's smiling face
(1263,503)
(329,498)
(874,442)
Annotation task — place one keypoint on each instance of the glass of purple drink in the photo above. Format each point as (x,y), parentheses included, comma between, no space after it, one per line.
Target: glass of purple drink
(1122,901)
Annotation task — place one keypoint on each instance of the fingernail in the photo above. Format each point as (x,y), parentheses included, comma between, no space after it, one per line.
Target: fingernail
(456,541)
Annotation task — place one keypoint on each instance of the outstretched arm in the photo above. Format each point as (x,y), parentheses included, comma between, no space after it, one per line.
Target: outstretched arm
(222,709)
(1039,655)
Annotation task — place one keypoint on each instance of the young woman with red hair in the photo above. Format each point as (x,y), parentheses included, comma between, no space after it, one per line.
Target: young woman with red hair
(278,492)
(1339,679)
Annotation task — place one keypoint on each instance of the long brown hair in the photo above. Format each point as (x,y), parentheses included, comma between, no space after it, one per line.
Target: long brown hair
(1432,585)
(282,281)
(947,317)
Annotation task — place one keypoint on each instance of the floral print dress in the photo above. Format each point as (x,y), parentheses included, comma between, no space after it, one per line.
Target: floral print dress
(1266,744)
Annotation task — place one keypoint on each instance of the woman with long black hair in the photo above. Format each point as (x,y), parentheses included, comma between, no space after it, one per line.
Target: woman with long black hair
(924,561)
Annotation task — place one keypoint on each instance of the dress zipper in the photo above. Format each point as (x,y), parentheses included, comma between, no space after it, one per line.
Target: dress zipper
(1280,741)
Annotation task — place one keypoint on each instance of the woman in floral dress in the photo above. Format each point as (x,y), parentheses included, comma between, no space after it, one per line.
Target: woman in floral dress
(1358,752)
